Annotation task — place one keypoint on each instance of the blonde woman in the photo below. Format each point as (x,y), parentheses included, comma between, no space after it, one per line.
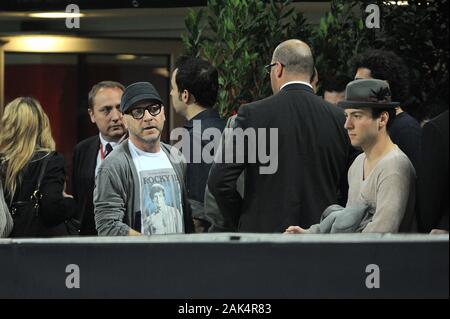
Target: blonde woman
(25,141)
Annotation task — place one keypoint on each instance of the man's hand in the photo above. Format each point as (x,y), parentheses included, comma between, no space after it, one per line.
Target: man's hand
(295,230)
(198,226)
(67,195)
(64,192)
(439,232)
(132,232)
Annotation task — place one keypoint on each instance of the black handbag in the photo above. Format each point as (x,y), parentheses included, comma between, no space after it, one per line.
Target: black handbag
(27,222)
(73,227)
(25,214)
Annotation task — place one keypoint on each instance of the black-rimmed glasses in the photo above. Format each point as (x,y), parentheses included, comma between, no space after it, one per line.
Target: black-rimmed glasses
(269,66)
(138,113)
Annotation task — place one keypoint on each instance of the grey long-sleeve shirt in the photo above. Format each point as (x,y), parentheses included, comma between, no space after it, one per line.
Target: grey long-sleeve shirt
(389,188)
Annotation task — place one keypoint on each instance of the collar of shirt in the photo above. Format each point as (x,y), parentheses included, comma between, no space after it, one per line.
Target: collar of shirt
(141,152)
(296,82)
(202,115)
(104,142)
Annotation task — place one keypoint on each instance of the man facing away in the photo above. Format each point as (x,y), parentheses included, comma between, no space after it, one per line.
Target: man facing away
(126,177)
(194,87)
(313,152)
(104,111)
(382,177)
(210,205)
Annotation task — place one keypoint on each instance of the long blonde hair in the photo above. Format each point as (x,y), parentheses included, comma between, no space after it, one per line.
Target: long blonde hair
(24,129)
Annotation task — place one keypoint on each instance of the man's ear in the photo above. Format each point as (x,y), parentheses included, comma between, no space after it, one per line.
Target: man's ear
(384,118)
(279,70)
(185,96)
(91,115)
(163,114)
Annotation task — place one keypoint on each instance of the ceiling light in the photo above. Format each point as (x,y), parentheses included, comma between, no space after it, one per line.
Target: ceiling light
(161,72)
(39,43)
(56,15)
(126,57)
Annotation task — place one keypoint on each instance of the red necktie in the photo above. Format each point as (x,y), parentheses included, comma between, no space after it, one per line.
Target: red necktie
(108,149)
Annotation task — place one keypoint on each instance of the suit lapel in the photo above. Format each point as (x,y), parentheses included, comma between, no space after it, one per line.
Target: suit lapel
(92,154)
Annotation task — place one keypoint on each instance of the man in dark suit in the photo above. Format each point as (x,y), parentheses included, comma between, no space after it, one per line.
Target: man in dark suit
(313,152)
(104,111)
(433,176)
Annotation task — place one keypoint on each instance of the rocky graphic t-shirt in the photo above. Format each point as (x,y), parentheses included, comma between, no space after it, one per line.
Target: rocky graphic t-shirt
(161,208)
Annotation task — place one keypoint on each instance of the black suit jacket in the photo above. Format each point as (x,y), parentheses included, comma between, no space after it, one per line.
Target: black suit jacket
(83,182)
(314,154)
(433,175)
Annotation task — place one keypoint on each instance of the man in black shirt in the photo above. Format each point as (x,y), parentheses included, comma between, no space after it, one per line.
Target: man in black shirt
(194,90)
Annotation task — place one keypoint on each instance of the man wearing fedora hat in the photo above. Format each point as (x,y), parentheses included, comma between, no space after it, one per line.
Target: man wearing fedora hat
(124,179)
(382,177)
(386,65)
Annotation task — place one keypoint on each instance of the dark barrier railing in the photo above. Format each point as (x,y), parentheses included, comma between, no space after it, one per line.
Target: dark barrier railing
(227,266)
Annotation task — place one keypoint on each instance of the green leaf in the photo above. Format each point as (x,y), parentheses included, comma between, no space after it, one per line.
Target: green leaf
(360,25)
(239,37)
(323,27)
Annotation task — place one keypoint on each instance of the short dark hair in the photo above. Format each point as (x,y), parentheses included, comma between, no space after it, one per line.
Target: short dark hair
(102,85)
(386,65)
(376,113)
(198,77)
(336,83)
